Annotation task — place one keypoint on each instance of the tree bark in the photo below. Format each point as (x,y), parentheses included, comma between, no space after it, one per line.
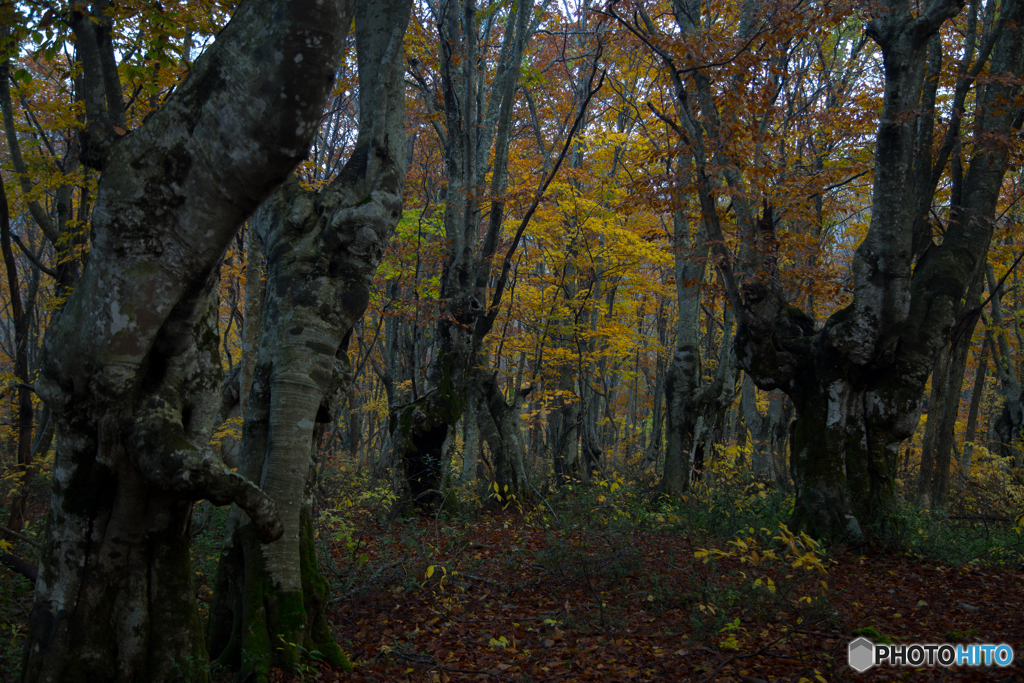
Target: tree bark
(764,463)
(23,460)
(654,449)
(972,413)
(944,406)
(857,383)
(131,369)
(1010,424)
(251,316)
(322,251)
(422,431)
(682,380)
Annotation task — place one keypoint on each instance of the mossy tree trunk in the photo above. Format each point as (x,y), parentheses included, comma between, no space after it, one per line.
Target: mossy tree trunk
(857,383)
(502,430)
(131,370)
(322,250)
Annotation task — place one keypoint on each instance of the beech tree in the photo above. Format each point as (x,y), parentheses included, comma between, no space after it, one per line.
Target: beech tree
(857,382)
(131,370)
(322,251)
(477,117)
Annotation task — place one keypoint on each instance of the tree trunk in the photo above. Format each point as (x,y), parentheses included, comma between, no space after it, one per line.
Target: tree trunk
(654,448)
(944,407)
(1010,424)
(764,463)
(972,413)
(251,316)
(682,381)
(423,430)
(500,427)
(471,440)
(563,428)
(23,459)
(131,369)
(857,383)
(322,251)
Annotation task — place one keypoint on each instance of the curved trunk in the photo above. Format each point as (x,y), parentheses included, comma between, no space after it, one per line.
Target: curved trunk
(423,432)
(322,251)
(501,429)
(131,369)
(944,405)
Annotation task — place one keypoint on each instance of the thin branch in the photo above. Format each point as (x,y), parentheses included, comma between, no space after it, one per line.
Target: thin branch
(28,539)
(506,265)
(999,284)
(33,258)
(841,183)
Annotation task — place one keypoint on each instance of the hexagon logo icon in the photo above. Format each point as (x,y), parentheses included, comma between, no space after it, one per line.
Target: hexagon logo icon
(862,655)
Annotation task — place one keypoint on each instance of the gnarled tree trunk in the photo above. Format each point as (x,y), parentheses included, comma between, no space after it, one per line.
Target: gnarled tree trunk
(131,368)
(858,383)
(422,432)
(322,251)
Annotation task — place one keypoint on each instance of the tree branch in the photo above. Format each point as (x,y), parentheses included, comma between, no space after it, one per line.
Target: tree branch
(487,320)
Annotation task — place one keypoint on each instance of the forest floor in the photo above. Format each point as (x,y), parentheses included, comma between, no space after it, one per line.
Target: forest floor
(505,598)
(588,589)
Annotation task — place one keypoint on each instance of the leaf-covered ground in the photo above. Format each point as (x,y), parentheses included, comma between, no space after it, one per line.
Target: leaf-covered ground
(511,600)
(591,595)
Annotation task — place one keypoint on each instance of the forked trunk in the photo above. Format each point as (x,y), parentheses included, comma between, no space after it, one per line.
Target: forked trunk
(131,369)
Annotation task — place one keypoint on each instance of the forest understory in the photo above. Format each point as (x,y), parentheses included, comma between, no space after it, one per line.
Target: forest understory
(595,583)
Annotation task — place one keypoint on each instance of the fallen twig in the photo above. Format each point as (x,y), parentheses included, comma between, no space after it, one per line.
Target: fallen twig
(482,580)
(371,579)
(28,539)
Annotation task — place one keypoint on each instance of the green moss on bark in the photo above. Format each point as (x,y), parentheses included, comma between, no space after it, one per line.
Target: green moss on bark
(279,628)
(315,590)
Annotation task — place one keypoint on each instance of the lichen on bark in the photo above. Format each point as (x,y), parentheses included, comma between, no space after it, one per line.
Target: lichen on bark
(126,367)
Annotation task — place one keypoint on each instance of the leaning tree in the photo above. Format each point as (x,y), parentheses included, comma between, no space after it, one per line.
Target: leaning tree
(131,368)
